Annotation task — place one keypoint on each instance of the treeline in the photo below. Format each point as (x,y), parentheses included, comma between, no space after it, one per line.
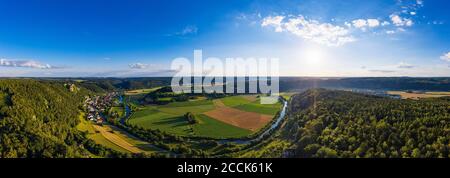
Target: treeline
(285,83)
(372,83)
(165,95)
(324,123)
(115,84)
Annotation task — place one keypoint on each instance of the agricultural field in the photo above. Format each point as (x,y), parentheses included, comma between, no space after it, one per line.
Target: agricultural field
(251,104)
(229,117)
(287,95)
(418,95)
(141,91)
(240,118)
(113,137)
(97,137)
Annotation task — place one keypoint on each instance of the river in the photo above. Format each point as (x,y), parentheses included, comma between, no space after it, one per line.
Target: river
(261,136)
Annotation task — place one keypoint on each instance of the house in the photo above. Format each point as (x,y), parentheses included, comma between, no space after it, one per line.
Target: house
(90,117)
(99,120)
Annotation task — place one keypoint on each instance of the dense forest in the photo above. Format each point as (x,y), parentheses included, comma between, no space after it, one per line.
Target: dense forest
(115,84)
(325,123)
(371,83)
(38,119)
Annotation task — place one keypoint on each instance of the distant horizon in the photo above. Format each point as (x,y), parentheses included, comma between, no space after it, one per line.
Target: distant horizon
(226,76)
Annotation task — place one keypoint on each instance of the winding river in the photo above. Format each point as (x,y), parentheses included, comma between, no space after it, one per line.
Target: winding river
(261,136)
(266,132)
(127,110)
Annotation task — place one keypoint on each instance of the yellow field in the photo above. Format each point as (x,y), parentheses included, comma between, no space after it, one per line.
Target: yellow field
(114,138)
(141,91)
(413,95)
(98,138)
(242,119)
(287,95)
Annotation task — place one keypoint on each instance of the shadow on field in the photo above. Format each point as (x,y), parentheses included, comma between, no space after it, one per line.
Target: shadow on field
(174,121)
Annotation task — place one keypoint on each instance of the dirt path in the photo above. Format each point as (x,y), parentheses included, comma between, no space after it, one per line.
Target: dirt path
(116,139)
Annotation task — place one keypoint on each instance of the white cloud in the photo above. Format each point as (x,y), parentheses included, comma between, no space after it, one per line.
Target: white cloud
(373,22)
(138,65)
(419,2)
(25,63)
(385,23)
(363,23)
(446,57)
(404,65)
(275,21)
(399,21)
(436,22)
(190,29)
(332,34)
(381,71)
(401,29)
(349,25)
(311,30)
(390,32)
(359,23)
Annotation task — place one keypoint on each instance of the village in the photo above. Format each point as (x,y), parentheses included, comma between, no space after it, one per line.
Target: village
(96,106)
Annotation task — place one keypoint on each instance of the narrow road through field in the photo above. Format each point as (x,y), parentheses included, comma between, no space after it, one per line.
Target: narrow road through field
(117,140)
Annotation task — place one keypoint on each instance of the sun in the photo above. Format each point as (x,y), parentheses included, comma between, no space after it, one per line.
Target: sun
(313,56)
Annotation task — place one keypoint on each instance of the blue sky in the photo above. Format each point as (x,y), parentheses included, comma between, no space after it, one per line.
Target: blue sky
(59,38)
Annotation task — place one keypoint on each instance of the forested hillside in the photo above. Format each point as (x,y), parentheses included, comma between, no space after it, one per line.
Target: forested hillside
(324,123)
(37,119)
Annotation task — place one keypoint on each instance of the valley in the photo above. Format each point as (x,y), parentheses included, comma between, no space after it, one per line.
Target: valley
(154,122)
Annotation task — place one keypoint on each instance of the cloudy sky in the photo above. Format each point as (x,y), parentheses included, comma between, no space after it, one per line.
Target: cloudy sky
(43,38)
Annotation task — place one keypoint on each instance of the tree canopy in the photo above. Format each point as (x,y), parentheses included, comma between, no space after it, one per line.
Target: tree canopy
(324,123)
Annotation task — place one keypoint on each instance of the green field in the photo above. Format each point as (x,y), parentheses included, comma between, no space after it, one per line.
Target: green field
(213,128)
(234,101)
(269,109)
(171,120)
(241,103)
(119,110)
(169,117)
